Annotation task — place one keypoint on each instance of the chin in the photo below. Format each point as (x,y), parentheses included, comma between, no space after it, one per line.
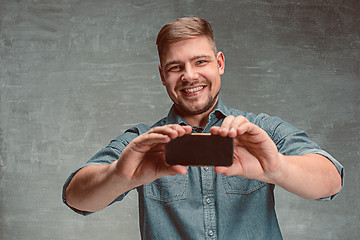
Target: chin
(199,108)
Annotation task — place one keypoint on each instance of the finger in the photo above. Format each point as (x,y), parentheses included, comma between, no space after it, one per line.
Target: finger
(181,130)
(221,170)
(230,125)
(235,124)
(188,129)
(159,135)
(172,131)
(225,126)
(215,130)
(144,142)
(235,169)
(227,171)
(248,128)
(177,169)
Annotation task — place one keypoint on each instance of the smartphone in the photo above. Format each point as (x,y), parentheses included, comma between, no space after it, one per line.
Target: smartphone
(200,149)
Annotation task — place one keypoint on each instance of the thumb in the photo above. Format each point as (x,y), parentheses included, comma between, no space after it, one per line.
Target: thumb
(177,169)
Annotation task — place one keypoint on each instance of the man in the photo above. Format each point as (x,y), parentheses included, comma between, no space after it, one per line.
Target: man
(181,202)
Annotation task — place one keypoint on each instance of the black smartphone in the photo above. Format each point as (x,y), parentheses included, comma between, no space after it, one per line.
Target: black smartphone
(200,149)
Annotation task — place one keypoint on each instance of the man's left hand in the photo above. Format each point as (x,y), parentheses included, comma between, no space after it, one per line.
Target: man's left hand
(255,154)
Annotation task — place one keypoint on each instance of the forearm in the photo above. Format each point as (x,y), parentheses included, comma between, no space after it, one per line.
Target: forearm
(141,162)
(94,187)
(310,176)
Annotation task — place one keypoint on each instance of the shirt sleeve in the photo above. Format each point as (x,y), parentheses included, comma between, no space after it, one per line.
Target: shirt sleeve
(292,141)
(105,156)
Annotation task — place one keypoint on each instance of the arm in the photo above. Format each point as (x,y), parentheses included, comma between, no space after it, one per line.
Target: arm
(310,176)
(142,161)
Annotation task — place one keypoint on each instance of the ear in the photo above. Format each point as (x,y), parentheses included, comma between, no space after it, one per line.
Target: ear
(161,75)
(221,62)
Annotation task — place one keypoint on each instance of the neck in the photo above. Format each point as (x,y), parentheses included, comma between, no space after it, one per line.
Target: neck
(199,120)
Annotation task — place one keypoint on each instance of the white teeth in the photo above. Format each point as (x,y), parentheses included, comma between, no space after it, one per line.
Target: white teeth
(191,90)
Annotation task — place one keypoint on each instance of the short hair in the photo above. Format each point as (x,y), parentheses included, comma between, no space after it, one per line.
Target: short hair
(182,29)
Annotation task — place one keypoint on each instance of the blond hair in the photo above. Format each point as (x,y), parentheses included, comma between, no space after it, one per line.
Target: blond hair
(182,29)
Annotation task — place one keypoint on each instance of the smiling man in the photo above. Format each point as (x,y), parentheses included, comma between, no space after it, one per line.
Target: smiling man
(182,202)
(190,70)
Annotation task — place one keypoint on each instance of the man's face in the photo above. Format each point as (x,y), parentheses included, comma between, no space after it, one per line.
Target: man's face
(191,72)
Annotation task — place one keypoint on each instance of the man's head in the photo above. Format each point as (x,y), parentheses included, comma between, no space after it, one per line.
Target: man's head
(190,67)
(184,28)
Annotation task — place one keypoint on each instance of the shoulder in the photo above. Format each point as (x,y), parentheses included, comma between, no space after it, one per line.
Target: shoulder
(275,127)
(260,119)
(257,119)
(124,139)
(133,132)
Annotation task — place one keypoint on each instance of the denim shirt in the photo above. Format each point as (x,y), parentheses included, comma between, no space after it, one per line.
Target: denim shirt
(203,204)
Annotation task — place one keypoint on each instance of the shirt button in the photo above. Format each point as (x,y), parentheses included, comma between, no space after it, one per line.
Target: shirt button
(211,233)
(208,200)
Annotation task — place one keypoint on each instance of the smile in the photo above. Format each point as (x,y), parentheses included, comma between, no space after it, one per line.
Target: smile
(191,90)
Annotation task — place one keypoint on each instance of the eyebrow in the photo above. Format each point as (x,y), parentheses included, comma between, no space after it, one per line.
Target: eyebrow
(192,59)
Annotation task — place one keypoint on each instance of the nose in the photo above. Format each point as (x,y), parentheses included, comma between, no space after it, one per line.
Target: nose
(190,73)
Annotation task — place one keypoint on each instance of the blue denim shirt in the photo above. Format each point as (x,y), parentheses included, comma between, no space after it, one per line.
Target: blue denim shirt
(203,204)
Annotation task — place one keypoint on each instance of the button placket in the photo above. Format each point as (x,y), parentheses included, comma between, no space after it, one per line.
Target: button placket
(207,178)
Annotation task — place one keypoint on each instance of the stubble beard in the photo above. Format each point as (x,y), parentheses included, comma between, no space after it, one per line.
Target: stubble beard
(190,109)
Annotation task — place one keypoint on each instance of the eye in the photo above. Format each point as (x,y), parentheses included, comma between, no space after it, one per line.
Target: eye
(174,68)
(201,62)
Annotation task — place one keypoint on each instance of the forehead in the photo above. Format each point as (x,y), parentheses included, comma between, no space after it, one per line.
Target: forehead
(187,48)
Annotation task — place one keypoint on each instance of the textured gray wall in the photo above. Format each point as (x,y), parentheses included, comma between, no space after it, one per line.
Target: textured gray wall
(75,74)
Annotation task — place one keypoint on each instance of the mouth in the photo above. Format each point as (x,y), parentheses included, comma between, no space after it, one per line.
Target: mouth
(193,89)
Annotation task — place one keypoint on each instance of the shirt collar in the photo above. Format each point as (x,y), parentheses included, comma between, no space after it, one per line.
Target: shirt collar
(220,111)
(220,108)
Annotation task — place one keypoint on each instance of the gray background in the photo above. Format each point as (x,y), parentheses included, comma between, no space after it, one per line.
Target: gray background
(76,74)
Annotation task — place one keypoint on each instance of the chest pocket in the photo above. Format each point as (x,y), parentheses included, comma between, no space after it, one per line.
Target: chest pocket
(240,185)
(167,189)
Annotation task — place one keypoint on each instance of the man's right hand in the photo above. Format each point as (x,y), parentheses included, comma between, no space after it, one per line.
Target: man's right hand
(143,160)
